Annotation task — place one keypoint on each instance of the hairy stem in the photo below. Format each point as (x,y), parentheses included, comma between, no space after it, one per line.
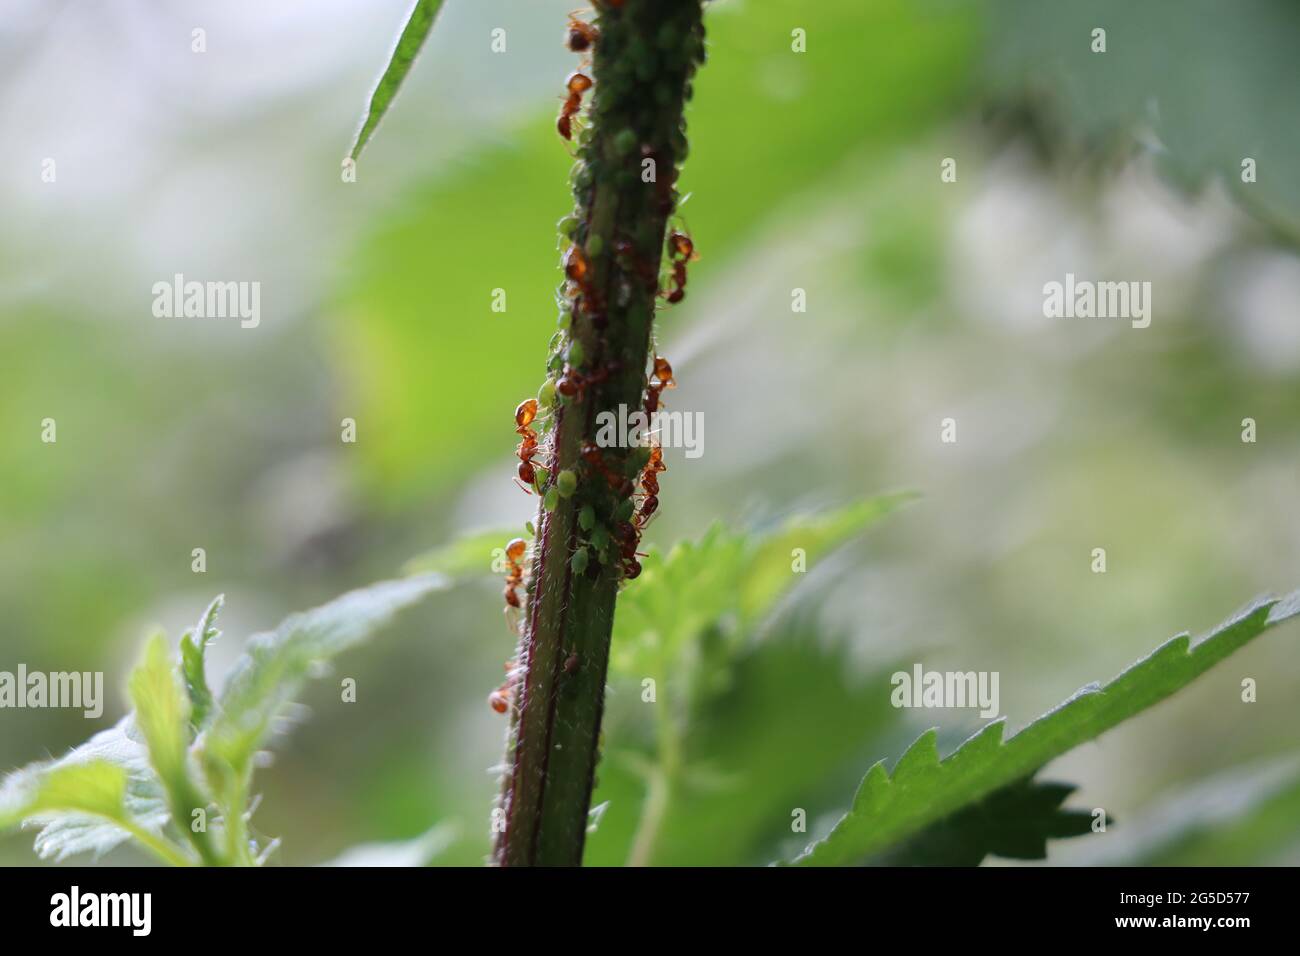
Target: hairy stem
(624,186)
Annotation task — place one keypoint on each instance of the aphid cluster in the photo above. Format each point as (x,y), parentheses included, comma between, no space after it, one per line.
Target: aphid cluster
(613,492)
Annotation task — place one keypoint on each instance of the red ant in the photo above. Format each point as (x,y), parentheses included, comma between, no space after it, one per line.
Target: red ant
(630,539)
(626,251)
(582,36)
(681,251)
(499,699)
(514,562)
(527,450)
(662,376)
(573,384)
(595,458)
(577,269)
(649,488)
(578,84)
(665,182)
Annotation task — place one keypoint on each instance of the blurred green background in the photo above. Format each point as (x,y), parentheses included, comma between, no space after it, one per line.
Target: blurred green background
(816,170)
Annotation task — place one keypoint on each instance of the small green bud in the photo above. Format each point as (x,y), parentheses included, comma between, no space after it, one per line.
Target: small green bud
(579,561)
(587,518)
(551,500)
(566,483)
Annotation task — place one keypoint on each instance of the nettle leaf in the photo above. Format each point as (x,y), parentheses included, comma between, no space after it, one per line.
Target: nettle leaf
(1015,822)
(95,787)
(1164,90)
(749,762)
(162,712)
(922,789)
(418,25)
(94,798)
(276,664)
(1247,815)
(719,587)
(194,645)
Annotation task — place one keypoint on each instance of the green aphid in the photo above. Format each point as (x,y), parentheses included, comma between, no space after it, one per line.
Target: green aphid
(595,246)
(625,510)
(541,473)
(551,500)
(587,518)
(546,394)
(566,483)
(600,537)
(579,561)
(577,354)
(625,142)
(568,226)
(528,526)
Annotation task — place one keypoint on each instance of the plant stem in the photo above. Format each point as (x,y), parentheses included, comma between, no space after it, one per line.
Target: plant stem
(624,187)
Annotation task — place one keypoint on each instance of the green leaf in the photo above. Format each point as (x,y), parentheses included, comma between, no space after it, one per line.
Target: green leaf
(749,762)
(95,787)
(82,810)
(162,711)
(162,714)
(276,664)
(194,646)
(922,789)
(1176,71)
(1247,815)
(1015,822)
(408,46)
(718,588)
